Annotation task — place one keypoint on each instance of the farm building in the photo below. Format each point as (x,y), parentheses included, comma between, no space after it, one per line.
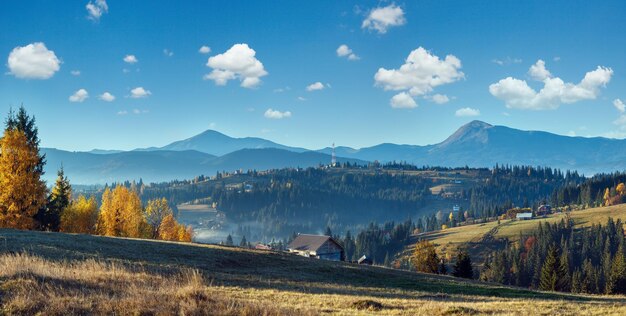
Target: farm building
(365,260)
(317,246)
(524,216)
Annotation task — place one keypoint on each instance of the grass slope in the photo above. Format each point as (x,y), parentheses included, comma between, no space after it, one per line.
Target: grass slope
(58,273)
(481,239)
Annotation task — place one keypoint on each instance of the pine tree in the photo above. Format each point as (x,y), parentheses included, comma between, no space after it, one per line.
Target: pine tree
(463,266)
(328,232)
(549,271)
(49,217)
(229,240)
(616,282)
(564,281)
(244,242)
(26,124)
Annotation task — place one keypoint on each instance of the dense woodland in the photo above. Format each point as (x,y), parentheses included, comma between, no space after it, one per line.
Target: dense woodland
(558,258)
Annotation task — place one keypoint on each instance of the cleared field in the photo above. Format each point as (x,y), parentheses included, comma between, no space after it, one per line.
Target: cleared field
(56,273)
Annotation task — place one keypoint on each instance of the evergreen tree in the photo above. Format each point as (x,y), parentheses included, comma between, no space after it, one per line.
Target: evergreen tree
(26,124)
(463,266)
(229,240)
(244,242)
(49,217)
(549,271)
(328,232)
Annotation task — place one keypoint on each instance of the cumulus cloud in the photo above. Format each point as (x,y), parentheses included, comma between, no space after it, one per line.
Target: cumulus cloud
(538,71)
(130,59)
(139,92)
(315,86)
(467,112)
(96,9)
(345,51)
(204,49)
(33,61)
(403,100)
(619,105)
(420,74)
(79,96)
(382,18)
(75,72)
(238,62)
(108,97)
(168,52)
(518,94)
(277,115)
(440,98)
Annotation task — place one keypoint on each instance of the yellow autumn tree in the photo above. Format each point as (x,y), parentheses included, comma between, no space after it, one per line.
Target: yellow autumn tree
(121,214)
(621,189)
(425,257)
(185,233)
(80,216)
(22,192)
(607,197)
(168,229)
(155,212)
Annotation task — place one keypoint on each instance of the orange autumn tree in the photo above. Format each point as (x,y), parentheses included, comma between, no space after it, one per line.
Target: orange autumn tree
(171,230)
(80,216)
(22,192)
(121,214)
(155,212)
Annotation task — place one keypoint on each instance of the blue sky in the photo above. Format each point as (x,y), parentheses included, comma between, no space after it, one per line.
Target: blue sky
(290,45)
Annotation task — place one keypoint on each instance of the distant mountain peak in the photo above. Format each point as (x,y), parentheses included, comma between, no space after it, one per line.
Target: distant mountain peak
(474,131)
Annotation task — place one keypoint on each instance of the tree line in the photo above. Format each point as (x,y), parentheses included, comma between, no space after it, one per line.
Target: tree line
(26,202)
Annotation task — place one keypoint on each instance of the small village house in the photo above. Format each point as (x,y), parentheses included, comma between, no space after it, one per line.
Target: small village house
(524,216)
(317,246)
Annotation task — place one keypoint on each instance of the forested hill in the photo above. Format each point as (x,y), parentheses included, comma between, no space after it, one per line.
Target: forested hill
(349,197)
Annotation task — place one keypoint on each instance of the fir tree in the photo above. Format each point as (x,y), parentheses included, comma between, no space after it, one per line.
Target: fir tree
(463,266)
(549,271)
(49,217)
(244,242)
(229,240)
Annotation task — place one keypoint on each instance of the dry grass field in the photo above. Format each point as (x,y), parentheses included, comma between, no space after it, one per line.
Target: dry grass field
(60,274)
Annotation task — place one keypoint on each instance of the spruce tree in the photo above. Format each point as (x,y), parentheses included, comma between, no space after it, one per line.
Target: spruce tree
(549,271)
(49,217)
(229,240)
(244,242)
(463,266)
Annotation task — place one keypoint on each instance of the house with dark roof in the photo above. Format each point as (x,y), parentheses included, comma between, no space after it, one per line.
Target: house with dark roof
(317,246)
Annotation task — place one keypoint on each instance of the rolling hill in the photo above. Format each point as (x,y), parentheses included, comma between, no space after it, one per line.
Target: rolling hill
(164,165)
(79,274)
(481,239)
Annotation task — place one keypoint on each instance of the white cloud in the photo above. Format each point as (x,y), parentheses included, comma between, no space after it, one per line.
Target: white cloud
(315,86)
(79,96)
(440,98)
(420,74)
(123,112)
(402,100)
(467,112)
(96,9)
(33,61)
(538,71)
(281,90)
(518,94)
(75,72)
(168,52)
(301,99)
(557,58)
(506,61)
(204,49)
(277,115)
(382,18)
(345,51)
(108,97)
(619,105)
(130,59)
(238,62)
(139,92)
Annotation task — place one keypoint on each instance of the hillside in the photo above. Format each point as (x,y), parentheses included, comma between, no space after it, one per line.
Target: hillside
(481,239)
(115,275)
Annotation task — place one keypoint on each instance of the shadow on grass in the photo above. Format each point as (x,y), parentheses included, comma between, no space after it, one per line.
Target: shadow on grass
(264,269)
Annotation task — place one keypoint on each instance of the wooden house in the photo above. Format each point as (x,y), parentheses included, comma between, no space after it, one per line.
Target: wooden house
(317,246)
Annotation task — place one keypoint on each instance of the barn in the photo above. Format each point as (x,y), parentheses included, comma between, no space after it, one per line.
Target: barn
(317,246)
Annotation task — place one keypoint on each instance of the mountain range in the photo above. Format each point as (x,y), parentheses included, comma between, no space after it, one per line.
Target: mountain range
(476,144)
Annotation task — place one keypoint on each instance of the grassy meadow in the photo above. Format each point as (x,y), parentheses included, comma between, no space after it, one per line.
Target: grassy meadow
(54,273)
